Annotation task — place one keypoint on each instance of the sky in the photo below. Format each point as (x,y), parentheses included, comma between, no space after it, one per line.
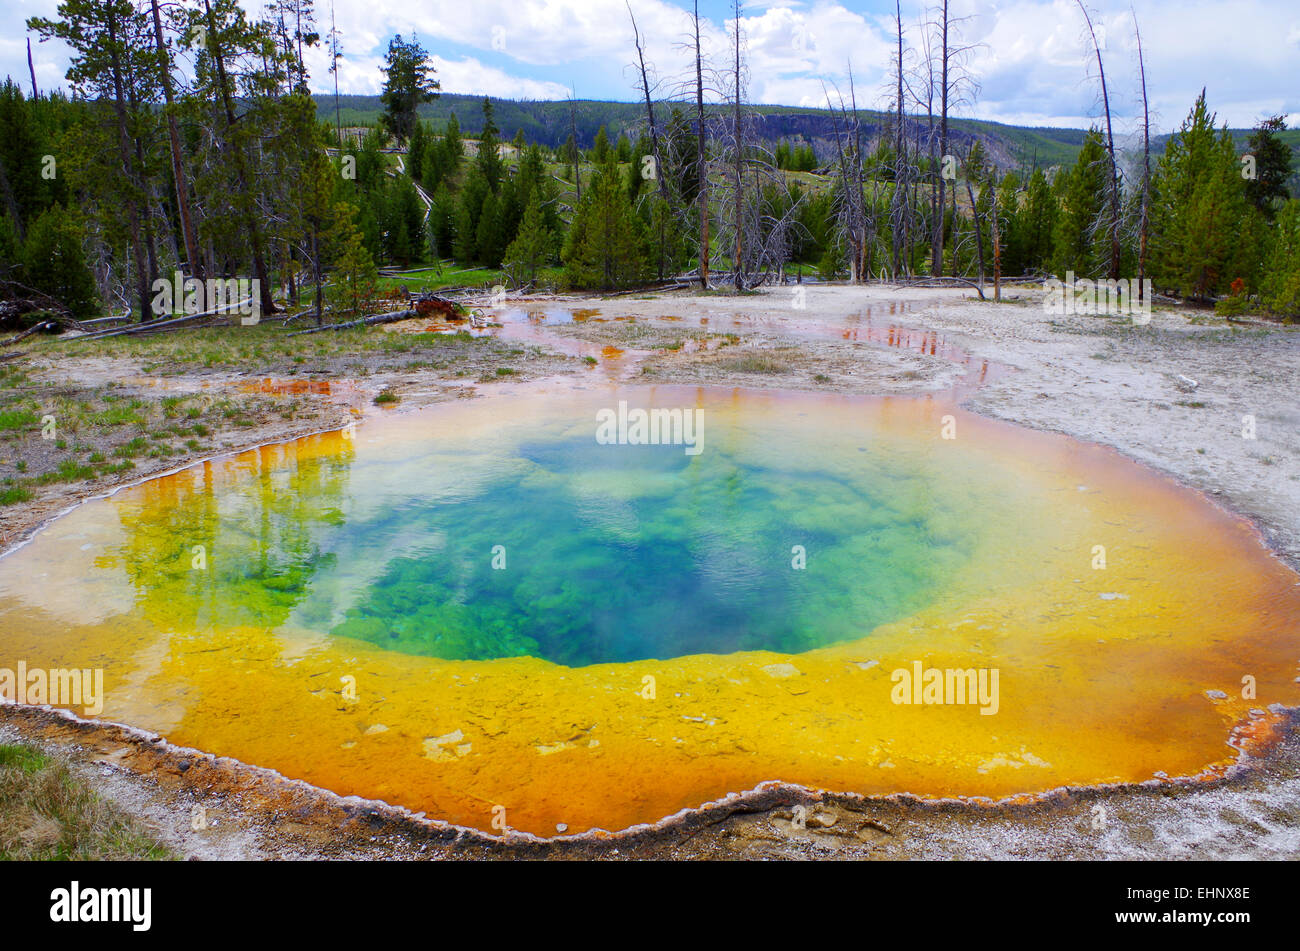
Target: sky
(1031,58)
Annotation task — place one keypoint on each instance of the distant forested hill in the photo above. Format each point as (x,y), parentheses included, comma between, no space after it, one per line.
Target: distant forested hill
(549,123)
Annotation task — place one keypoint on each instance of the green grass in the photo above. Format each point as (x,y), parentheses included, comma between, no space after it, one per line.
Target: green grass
(50,813)
(264,347)
(115,416)
(755,363)
(133,448)
(14,495)
(455,275)
(17,419)
(24,758)
(69,470)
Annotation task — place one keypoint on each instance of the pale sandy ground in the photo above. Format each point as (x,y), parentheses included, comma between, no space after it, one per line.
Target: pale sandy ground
(1102,379)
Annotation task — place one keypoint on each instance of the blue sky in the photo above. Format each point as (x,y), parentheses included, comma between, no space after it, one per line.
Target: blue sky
(1029,55)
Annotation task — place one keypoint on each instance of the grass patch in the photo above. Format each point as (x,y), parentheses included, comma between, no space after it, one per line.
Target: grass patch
(25,758)
(133,448)
(386,396)
(14,495)
(68,471)
(116,416)
(755,363)
(48,813)
(16,419)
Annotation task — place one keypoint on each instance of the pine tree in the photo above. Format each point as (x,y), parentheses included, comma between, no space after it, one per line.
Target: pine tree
(402,222)
(408,81)
(453,143)
(606,246)
(54,262)
(569,151)
(783,155)
(1011,217)
(1279,285)
(1273,159)
(665,240)
(469,208)
(464,248)
(489,149)
(416,151)
(1077,239)
(600,150)
(1204,232)
(23,143)
(355,277)
(1038,223)
(488,239)
(105,65)
(532,249)
(370,160)
(442,223)
(433,166)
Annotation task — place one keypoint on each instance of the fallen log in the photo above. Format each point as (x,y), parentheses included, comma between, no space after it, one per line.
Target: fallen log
(173,323)
(35,328)
(370,321)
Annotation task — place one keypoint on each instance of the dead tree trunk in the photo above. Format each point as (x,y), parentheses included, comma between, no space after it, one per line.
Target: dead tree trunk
(31,69)
(660,180)
(994,231)
(1113,174)
(979,236)
(700,168)
(573,131)
(737,266)
(142,276)
(174,141)
(237,153)
(936,265)
(1145,220)
(898,227)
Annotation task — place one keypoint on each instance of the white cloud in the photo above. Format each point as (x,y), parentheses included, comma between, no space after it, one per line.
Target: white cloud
(362,76)
(468,75)
(1032,58)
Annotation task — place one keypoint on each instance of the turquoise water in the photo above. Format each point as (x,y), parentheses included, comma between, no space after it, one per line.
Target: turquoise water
(466,534)
(619,553)
(676,556)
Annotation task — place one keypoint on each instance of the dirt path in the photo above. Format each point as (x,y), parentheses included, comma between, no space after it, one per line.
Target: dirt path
(1100,379)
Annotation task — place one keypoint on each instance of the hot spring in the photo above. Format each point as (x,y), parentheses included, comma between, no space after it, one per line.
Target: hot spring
(479,609)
